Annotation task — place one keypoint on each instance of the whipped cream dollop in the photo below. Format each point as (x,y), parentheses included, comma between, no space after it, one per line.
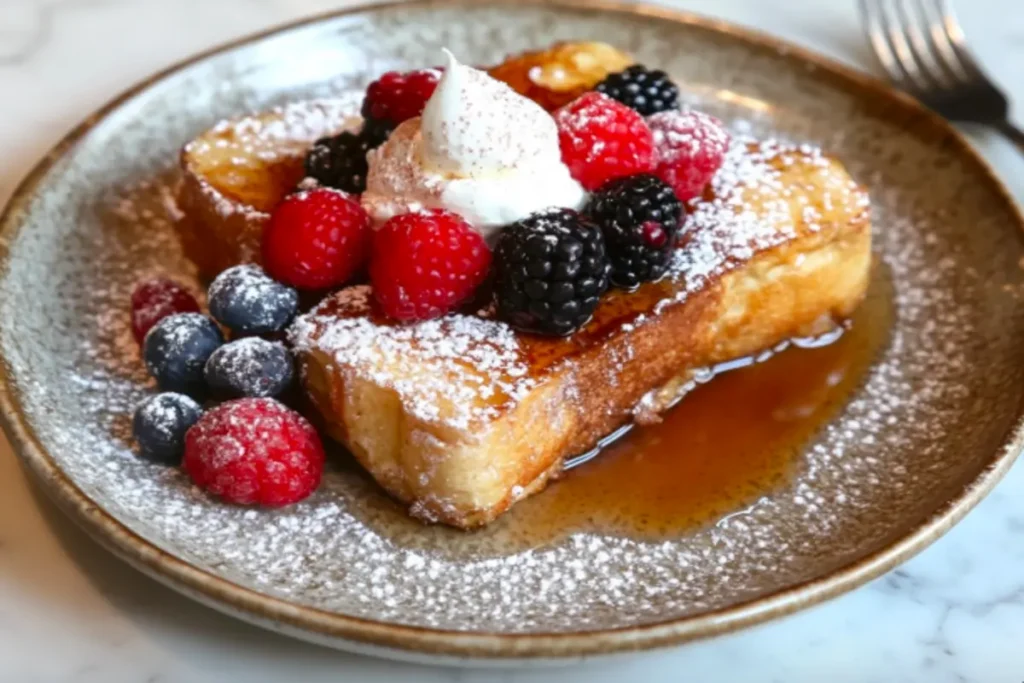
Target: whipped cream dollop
(480,149)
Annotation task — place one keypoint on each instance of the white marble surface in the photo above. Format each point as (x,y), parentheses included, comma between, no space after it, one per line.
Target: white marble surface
(71,612)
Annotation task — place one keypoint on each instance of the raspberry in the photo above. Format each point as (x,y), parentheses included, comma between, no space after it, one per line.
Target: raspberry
(648,92)
(397,96)
(316,240)
(690,147)
(254,451)
(426,264)
(639,217)
(603,139)
(154,300)
(550,272)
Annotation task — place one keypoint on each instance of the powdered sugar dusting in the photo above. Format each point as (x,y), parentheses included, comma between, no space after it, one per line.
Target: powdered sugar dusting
(261,136)
(455,370)
(935,406)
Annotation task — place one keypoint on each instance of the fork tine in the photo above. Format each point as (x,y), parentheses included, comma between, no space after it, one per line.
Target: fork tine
(896,32)
(874,24)
(945,33)
(958,39)
(913,14)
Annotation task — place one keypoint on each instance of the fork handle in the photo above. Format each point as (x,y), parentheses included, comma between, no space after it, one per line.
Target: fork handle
(1014,134)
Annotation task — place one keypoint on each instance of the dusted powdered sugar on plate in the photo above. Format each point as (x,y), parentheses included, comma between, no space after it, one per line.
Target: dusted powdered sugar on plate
(932,414)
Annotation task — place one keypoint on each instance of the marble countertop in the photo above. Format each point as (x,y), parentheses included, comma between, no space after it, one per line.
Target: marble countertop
(70,612)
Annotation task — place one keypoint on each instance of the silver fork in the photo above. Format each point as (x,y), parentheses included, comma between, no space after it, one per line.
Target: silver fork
(922,48)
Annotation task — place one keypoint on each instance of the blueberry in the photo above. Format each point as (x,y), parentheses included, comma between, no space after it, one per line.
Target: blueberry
(248,301)
(177,348)
(250,367)
(160,424)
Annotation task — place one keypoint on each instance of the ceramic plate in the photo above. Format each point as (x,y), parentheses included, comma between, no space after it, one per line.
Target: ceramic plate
(934,423)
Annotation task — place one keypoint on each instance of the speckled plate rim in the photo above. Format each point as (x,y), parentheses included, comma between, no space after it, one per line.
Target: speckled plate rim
(454,647)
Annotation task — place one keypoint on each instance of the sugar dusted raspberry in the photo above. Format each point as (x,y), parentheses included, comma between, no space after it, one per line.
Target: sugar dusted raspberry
(316,239)
(154,300)
(426,264)
(254,451)
(398,96)
(602,139)
(690,147)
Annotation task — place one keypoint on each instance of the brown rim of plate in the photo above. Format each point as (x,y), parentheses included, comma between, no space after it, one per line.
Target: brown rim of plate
(322,626)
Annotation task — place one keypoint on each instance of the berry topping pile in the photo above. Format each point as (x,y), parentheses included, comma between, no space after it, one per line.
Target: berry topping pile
(247,301)
(254,451)
(648,92)
(187,355)
(154,300)
(639,217)
(316,240)
(160,424)
(602,139)
(426,264)
(551,270)
(690,149)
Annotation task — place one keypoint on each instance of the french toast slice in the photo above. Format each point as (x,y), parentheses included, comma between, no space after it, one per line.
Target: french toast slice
(235,173)
(461,417)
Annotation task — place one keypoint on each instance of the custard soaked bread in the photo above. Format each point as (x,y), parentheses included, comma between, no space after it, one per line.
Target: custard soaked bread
(462,416)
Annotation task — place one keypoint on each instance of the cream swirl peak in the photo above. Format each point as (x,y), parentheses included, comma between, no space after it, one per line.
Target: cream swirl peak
(475,125)
(480,149)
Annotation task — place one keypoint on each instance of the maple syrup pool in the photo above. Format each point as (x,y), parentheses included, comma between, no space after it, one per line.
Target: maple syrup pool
(728,442)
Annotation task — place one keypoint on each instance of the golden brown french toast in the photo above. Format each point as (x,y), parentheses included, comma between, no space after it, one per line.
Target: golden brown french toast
(557,75)
(236,172)
(462,416)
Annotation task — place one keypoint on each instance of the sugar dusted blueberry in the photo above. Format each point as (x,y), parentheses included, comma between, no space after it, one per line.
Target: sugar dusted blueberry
(250,367)
(248,301)
(176,350)
(160,424)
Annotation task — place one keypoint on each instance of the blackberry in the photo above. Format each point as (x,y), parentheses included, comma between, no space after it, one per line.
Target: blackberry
(339,162)
(177,348)
(639,216)
(160,424)
(250,367)
(648,92)
(550,272)
(247,301)
(375,132)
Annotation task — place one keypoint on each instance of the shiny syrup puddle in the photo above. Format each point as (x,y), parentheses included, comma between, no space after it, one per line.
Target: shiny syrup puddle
(726,444)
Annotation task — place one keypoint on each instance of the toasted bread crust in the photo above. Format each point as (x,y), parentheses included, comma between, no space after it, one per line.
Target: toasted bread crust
(235,173)
(783,254)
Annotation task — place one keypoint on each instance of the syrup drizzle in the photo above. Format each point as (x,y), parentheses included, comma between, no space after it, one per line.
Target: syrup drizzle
(725,445)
